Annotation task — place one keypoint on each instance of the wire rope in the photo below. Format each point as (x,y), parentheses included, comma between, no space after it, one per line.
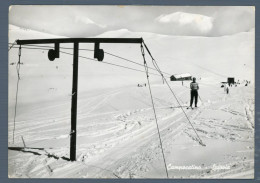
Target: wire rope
(158,69)
(158,130)
(17,86)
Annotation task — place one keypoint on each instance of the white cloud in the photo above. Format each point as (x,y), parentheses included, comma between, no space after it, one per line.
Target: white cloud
(86,20)
(197,21)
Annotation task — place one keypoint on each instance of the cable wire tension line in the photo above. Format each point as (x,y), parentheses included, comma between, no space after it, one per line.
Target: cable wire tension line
(17,85)
(158,130)
(35,47)
(158,69)
(111,63)
(12,44)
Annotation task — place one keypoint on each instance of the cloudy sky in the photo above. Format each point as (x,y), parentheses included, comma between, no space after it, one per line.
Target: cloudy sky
(85,21)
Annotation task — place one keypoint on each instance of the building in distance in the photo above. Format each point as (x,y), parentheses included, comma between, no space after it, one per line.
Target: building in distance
(181,77)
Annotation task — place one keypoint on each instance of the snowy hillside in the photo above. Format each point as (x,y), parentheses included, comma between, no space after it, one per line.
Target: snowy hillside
(117,135)
(226,56)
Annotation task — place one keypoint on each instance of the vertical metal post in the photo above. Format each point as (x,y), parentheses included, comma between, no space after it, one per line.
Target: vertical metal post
(73,135)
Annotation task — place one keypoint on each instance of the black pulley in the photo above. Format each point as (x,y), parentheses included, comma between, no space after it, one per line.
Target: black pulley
(51,55)
(98,53)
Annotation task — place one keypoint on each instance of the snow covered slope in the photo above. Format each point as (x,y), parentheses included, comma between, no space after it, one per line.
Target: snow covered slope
(226,56)
(117,135)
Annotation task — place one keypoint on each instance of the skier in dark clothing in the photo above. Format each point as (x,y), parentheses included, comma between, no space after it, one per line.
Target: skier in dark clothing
(194,92)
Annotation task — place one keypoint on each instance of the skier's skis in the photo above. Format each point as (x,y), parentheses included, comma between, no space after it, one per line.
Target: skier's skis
(192,107)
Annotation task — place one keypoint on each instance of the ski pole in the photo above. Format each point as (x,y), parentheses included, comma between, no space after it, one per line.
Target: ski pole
(200,98)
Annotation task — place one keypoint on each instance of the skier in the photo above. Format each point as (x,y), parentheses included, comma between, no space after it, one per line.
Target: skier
(194,92)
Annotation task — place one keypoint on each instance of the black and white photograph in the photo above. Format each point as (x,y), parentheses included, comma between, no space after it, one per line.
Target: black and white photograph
(131,92)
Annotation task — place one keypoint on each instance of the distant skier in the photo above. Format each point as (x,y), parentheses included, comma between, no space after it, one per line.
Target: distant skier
(194,92)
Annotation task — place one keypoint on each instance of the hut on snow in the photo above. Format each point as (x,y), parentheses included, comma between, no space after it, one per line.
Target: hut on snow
(231,81)
(181,77)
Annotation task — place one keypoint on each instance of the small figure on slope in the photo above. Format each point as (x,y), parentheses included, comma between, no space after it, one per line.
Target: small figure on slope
(194,86)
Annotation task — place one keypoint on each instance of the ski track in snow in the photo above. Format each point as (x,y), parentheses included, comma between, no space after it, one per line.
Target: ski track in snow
(123,143)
